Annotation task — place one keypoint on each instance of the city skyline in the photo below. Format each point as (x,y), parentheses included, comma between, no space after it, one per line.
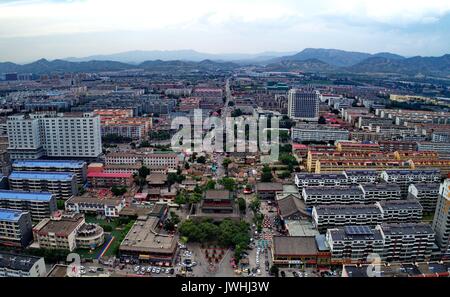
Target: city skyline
(55,29)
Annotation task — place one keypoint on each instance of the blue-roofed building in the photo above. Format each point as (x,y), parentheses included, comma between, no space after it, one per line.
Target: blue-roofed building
(41,205)
(15,228)
(62,185)
(71,166)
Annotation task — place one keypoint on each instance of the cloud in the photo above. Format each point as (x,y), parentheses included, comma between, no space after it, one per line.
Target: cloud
(405,26)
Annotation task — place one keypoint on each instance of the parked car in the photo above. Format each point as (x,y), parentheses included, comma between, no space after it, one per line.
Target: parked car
(283,274)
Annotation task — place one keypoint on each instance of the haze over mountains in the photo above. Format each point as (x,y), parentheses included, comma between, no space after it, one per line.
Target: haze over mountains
(308,60)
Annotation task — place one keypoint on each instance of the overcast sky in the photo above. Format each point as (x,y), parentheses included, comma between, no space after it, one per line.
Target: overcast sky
(33,29)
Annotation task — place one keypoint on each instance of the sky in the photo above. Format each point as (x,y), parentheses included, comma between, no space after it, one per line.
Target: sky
(33,29)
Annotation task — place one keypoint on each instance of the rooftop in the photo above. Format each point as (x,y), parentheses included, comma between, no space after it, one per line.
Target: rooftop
(407,229)
(10,215)
(109,175)
(347,209)
(269,187)
(17,262)
(352,190)
(72,164)
(38,175)
(294,245)
(143,237)
(29,196)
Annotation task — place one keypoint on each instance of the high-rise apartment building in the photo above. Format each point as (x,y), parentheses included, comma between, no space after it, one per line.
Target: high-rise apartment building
(441,222)
(303,104)
(54,135)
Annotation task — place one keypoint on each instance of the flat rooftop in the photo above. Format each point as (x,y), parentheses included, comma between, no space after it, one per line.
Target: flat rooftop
(37,175)
(109,175)
(17,262)
(143,237)
(69,164)
(28,196)
(10,215)
(294,245)
(347,209)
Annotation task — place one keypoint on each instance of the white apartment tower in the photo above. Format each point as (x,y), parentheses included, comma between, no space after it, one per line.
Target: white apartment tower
(441,222)
(54,135)
(303,104)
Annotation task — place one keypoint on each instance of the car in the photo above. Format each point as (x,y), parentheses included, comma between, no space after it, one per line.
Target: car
(136,268)
(267,269)
(149,269)
(172,271)
(187,261)
(189,269)
(158,270)
(283,274)
(154,270)
(167,270)
(294,274)
(100,269)
(258,271)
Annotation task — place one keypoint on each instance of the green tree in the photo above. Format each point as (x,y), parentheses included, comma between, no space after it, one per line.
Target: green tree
(210,185)
(118,191)
(144,172)
(255,205)
(201,160)
(274,270)
(228,183)
(242,205)
(225,163)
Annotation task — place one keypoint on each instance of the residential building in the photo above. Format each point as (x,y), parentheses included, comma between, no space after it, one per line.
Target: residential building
(379,192)
(333,216)
(441,221)
(67,231)
(426,193)
(318,133)
(353,244)
(333,195)
(362,176)
(40,205)
(15,265)
(303,180)
(54,135)
(15,228)
(407,242)
(108,207)
(404,178)
(79,168)
(303,104)
(401,211)
(62,185)
(107,180)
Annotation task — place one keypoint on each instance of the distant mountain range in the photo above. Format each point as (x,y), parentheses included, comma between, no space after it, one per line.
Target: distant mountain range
(137,57)
(308,60)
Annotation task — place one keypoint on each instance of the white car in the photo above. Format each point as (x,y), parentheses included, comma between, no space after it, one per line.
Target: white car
(153,269)
(149,269)
(158,270)
(136,268)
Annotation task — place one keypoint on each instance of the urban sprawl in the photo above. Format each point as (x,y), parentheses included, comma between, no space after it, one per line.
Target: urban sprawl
(88,167)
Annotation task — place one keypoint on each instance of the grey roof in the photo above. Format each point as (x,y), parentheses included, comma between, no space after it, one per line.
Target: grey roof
(347,209)
(382,187)
(403,229)
(17,262)
(290,205)
(294,245)
(361,172)
(314,176)
(355,190)
(342,234)
(218,194)
(427,186)
(430,171)
(269,187)
(400,204)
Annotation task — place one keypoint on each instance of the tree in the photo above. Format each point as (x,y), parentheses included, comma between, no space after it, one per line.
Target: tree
(242,205)
(225,163)
(145,143)
(266,175)
(143,172)
(284,136)
(255,205)
(118,191)
(181,198)
(274,270)
(236,113)
(228,183)
(322,120)
(210,185)
(173,178)
(201,160)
